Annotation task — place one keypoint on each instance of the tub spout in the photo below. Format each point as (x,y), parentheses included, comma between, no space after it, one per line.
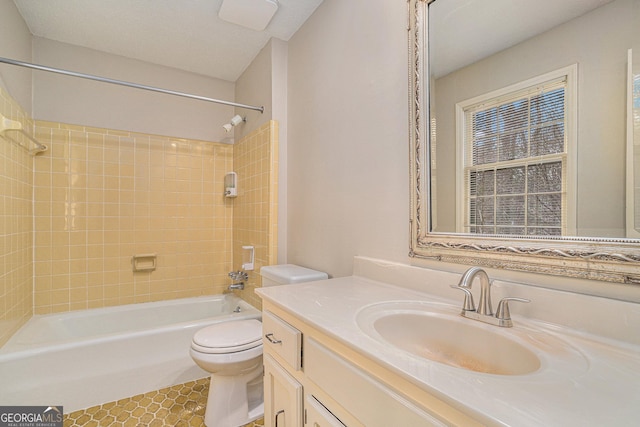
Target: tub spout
(236,286)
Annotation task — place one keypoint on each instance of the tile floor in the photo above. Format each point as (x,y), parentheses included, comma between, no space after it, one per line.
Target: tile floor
(181,405)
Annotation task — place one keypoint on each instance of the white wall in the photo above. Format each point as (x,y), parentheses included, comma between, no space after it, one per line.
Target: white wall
(15,43)
(280,109)
(348,140)
(253,87)
(85,102)
(264,83)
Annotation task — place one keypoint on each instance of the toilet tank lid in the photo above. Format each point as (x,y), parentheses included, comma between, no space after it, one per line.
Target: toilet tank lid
(290,273)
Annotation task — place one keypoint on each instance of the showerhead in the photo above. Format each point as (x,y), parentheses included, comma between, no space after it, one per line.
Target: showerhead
(235,121)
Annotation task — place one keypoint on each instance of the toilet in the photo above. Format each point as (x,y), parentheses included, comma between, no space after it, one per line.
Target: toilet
(232,353)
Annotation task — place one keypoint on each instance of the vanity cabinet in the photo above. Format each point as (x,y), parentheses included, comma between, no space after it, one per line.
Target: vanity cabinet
(313,380)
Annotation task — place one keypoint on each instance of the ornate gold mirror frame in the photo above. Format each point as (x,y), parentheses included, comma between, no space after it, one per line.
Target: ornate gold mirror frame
(612,260)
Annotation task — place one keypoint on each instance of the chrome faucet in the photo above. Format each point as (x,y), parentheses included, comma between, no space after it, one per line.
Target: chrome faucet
(484,312)
(238,278)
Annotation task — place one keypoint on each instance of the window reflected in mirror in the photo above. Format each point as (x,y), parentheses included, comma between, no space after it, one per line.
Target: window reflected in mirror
(514,163)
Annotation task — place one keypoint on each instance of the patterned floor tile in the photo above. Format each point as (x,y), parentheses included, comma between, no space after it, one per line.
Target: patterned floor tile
(181,405)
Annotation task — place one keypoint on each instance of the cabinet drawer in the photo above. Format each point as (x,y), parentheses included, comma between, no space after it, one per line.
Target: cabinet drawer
(371,402)
(283,339)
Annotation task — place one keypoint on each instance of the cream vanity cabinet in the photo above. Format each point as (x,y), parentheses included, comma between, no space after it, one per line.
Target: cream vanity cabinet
(313,380)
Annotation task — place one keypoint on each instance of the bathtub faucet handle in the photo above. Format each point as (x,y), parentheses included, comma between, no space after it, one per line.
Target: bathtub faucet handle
(238,275)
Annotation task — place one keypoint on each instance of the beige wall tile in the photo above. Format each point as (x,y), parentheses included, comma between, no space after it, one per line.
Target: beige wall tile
(114,194)
(255,208)
(102,196)
(16,226)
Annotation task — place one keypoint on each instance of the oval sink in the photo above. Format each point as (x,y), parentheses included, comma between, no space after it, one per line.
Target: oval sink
(435,333)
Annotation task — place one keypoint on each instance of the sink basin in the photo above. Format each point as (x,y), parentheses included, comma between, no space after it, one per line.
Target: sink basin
(438,333)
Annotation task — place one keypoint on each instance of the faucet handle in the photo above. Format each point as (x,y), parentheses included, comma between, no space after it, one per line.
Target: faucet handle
(239,275)
(468,304)
(502,312)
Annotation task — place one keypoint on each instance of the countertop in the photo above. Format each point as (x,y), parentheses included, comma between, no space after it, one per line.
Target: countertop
(584,380)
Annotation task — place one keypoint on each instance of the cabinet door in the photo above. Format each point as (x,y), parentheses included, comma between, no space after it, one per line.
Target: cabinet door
(282,396)
(316,415)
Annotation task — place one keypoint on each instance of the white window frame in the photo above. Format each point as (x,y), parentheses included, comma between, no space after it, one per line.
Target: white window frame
(569,157)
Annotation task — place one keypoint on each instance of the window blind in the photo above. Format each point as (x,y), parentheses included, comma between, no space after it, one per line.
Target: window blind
(515,162)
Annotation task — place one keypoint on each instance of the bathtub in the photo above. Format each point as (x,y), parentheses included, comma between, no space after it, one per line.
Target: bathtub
(89,357)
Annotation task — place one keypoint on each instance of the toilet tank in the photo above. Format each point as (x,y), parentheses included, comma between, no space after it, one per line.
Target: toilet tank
(284,274)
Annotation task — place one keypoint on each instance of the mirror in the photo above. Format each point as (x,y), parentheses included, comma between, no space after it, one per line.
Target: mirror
(523,117)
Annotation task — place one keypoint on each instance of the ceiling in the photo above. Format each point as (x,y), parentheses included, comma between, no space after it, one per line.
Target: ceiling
(183,34)
(188,35)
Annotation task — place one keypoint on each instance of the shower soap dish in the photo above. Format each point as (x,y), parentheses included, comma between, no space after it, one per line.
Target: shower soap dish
(144,262)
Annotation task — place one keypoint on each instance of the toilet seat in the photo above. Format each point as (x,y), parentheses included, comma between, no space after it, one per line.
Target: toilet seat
(228,337)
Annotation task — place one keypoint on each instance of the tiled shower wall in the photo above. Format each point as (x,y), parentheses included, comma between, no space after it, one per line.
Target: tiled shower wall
(71,218)
(255,159)
(16,229)
(103,196)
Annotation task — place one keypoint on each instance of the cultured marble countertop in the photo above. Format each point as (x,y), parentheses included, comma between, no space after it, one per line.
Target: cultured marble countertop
(584,380)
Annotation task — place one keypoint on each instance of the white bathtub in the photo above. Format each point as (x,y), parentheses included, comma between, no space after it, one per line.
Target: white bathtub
(85,358)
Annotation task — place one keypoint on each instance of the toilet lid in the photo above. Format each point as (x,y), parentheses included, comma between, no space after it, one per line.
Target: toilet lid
(229,337)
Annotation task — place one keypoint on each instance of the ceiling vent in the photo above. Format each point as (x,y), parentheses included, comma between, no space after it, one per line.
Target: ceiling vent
(252,14)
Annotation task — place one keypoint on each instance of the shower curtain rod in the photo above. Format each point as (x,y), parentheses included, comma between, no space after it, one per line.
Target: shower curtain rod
(128,84)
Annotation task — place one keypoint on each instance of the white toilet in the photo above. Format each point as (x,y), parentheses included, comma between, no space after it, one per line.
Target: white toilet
(232,353)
